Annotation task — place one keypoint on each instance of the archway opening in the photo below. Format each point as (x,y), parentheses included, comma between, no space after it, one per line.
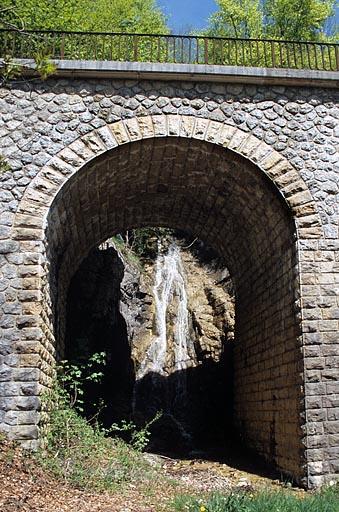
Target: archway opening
(227,202)
(160,306)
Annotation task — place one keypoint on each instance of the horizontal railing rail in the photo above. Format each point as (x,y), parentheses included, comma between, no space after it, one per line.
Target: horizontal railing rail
(126,47)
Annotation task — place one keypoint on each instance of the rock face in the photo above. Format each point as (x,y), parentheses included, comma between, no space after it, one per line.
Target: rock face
(167,327)
(211,304)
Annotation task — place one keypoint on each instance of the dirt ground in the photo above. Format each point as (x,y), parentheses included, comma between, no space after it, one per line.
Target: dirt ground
(26,487)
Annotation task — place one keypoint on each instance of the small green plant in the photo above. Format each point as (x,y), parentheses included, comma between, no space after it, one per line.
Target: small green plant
(126,252)
(214,503)
(4,165)
(139,438)
(44,65)
(10,69)
(72,376)
(140,243)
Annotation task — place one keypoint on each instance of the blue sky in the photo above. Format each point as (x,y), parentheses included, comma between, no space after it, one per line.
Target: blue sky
(188,14)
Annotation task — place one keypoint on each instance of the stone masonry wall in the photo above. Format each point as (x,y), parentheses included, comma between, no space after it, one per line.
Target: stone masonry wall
(50,132)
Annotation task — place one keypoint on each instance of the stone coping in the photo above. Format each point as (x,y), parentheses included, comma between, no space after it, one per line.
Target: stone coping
(190,72)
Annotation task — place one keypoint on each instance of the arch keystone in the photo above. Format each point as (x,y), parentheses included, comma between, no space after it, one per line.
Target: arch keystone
(160,125)
(119,132)
(187,126)
(133,129)
(173,123)
(200,129)
(146,126)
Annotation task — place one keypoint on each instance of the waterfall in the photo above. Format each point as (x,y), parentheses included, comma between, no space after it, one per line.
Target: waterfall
(170,353)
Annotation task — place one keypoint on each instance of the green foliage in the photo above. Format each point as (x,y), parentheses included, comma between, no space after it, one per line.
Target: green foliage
(237,18)
(9,70)
(131,16)
(85,15)
(78,451)
(139,438)
(326,500)
(142,242)
(44,66)
(298,19)
(71,379)
(277,19)
(81,454)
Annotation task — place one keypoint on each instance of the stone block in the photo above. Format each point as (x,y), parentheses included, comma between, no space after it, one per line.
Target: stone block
(133,130)
(23,432)
(8,246)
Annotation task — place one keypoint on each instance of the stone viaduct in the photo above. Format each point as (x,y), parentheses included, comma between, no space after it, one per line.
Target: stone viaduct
(246,162)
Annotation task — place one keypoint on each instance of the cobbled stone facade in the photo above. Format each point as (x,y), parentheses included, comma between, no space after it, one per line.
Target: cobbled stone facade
(252,170)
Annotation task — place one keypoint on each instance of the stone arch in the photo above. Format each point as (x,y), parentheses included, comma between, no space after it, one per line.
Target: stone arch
(43,188)
(269,329)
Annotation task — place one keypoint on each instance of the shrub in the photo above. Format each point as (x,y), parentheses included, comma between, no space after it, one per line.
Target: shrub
(78,451)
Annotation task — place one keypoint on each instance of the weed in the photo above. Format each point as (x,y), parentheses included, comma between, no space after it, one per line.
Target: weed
(4,166)
(139,438)
(44,65)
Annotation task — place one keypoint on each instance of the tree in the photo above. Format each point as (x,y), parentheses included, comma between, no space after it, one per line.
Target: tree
(237,18)
(297,19)
(84,15)
(277,19)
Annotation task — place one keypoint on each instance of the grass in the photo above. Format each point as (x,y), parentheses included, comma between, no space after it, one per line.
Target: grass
(81,454)
(326,500)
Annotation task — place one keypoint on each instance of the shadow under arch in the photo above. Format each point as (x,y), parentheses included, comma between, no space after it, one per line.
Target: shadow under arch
(226,201)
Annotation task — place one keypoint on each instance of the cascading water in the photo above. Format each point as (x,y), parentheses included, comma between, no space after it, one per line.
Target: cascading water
(169,285)
(161,382)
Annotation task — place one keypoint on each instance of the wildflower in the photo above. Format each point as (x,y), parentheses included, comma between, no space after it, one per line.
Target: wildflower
(202,509)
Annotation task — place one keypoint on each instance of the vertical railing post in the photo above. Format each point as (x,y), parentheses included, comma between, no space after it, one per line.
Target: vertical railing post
(273,54)
(206,50)
(62,47)
(13,44)
(135,44)
(336,49)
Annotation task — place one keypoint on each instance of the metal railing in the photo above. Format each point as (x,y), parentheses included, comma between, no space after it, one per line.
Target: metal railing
(170,49)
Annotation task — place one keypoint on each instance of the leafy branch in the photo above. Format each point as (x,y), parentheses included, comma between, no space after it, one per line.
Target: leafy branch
(11,69)
(71,378)
(139,438)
